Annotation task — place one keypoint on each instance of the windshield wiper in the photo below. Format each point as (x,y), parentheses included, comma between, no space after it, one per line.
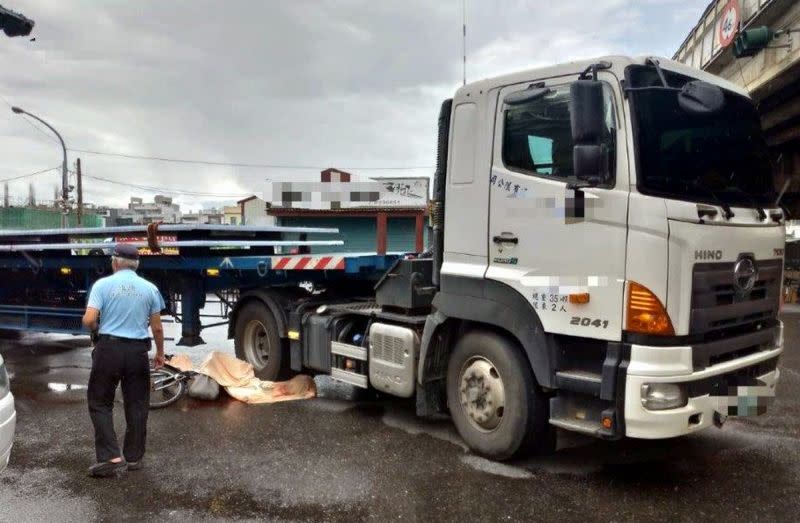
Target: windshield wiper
(727,213)
(652,61)
(760,210)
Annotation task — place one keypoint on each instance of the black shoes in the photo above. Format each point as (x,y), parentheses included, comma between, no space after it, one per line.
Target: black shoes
(107,469)
(135,465)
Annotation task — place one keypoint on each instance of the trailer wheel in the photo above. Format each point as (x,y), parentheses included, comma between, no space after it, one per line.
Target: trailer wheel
(494,400)
(258,342)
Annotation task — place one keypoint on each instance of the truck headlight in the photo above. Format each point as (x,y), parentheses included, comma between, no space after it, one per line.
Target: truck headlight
(662,396)
(4,386)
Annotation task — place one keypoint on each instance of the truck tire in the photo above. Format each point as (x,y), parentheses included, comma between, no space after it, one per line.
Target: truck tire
(494,400)
(257,341)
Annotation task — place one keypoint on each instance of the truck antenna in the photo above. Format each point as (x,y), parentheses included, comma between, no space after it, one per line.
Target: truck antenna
(464,39)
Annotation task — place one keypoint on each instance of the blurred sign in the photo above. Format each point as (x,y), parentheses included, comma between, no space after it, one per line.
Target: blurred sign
(415,187)
(337,195)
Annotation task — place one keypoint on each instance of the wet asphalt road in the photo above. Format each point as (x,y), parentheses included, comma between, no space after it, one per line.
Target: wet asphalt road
(340,460)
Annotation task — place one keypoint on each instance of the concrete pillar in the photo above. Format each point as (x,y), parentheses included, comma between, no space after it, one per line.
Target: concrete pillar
(381,236)
(419,233)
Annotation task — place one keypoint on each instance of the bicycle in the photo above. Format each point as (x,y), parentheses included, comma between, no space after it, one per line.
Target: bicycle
(168,385)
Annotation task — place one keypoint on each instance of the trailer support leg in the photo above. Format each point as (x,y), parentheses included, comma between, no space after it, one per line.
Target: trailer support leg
(193,298)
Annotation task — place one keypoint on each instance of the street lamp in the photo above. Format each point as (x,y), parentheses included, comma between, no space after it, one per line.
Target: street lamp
(64,180)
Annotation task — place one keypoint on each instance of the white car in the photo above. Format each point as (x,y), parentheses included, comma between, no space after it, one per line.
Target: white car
(8,417)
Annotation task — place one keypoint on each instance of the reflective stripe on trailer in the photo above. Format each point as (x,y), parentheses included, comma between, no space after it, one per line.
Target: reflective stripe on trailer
(308,263)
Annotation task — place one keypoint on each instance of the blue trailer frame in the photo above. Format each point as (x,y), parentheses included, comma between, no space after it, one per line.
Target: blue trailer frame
(46,275)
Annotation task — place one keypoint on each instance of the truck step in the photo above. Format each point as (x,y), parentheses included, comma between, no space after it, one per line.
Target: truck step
(582,381)
(584,413)
(359,380)
(593,428)
(350,351)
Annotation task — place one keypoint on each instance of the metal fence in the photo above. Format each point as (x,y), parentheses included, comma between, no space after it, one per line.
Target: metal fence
(37,218)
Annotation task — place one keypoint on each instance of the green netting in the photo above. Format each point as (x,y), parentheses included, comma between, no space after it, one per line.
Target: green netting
(28,218)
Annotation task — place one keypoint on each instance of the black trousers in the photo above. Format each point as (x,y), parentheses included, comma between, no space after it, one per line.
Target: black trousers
(113,362)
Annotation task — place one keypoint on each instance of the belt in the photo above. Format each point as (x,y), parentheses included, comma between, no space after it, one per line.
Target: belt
(111,337)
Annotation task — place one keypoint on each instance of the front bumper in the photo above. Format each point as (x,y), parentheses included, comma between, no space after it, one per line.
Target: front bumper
(8,423)
(649,364)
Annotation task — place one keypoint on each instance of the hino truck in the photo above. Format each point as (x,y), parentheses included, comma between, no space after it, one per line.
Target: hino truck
(607,258)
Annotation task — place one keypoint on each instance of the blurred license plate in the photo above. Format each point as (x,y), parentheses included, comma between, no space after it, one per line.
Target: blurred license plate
(740,399)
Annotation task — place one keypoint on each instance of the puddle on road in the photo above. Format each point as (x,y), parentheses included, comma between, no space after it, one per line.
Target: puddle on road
(495,468)
(327,405)
(187,403)
(408,422)
(53,392)
(370,410)
(65,387)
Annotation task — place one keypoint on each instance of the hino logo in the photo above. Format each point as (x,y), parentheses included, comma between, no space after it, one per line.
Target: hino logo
(744,275)
(707,255)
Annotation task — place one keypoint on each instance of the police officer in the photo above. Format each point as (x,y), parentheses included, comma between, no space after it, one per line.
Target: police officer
(118,311)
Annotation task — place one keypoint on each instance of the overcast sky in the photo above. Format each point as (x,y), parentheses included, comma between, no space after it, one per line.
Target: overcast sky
(343,83)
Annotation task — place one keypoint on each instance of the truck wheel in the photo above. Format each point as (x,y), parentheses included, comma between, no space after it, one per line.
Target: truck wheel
(257,341)
(494,400)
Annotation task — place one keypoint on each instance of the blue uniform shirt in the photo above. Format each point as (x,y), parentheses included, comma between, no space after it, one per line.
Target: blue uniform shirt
(125,301)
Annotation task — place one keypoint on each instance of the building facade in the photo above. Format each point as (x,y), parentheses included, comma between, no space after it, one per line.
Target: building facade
(204,217)
(253,211)
(139,212)
(232,215)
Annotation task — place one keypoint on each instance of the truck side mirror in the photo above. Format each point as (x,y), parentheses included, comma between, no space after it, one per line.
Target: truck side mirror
(590,162)
(588,123)
(587,116)
(701,98)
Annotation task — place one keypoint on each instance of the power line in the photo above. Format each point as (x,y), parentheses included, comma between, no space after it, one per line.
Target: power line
(221,164)
(165,190)
(49,136)
(29,174)
(249,165)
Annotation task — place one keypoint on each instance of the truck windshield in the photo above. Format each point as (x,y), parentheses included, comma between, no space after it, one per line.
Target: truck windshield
(718,158)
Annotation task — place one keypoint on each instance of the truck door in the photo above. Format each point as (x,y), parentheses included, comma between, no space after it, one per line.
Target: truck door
(556,246)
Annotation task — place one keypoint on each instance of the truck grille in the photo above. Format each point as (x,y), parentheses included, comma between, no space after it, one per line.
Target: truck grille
(717,306)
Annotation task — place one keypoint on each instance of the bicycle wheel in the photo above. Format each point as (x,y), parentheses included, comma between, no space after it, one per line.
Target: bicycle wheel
(167,385)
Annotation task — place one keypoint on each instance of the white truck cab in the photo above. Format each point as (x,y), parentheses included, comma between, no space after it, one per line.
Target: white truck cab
(8,417)
(607,258)
(618,218)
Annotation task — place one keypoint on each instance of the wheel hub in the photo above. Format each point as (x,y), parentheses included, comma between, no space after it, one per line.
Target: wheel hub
(256,344)
(483,395)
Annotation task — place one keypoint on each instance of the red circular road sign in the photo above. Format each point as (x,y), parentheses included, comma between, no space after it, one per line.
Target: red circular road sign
(728,23)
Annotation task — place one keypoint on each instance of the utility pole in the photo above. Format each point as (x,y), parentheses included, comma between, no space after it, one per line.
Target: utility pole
(79,183)
(5,194)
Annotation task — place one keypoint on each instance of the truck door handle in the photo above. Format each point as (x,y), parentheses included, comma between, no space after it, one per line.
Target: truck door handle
(506,239)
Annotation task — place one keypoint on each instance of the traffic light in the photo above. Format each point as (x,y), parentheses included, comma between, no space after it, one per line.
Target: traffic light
(15,24)
(750,41)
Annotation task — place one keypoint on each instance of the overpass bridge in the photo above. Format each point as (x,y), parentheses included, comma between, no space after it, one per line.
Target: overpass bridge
(771,75)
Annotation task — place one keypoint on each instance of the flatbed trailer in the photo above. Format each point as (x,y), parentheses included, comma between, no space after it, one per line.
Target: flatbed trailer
(46,274)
